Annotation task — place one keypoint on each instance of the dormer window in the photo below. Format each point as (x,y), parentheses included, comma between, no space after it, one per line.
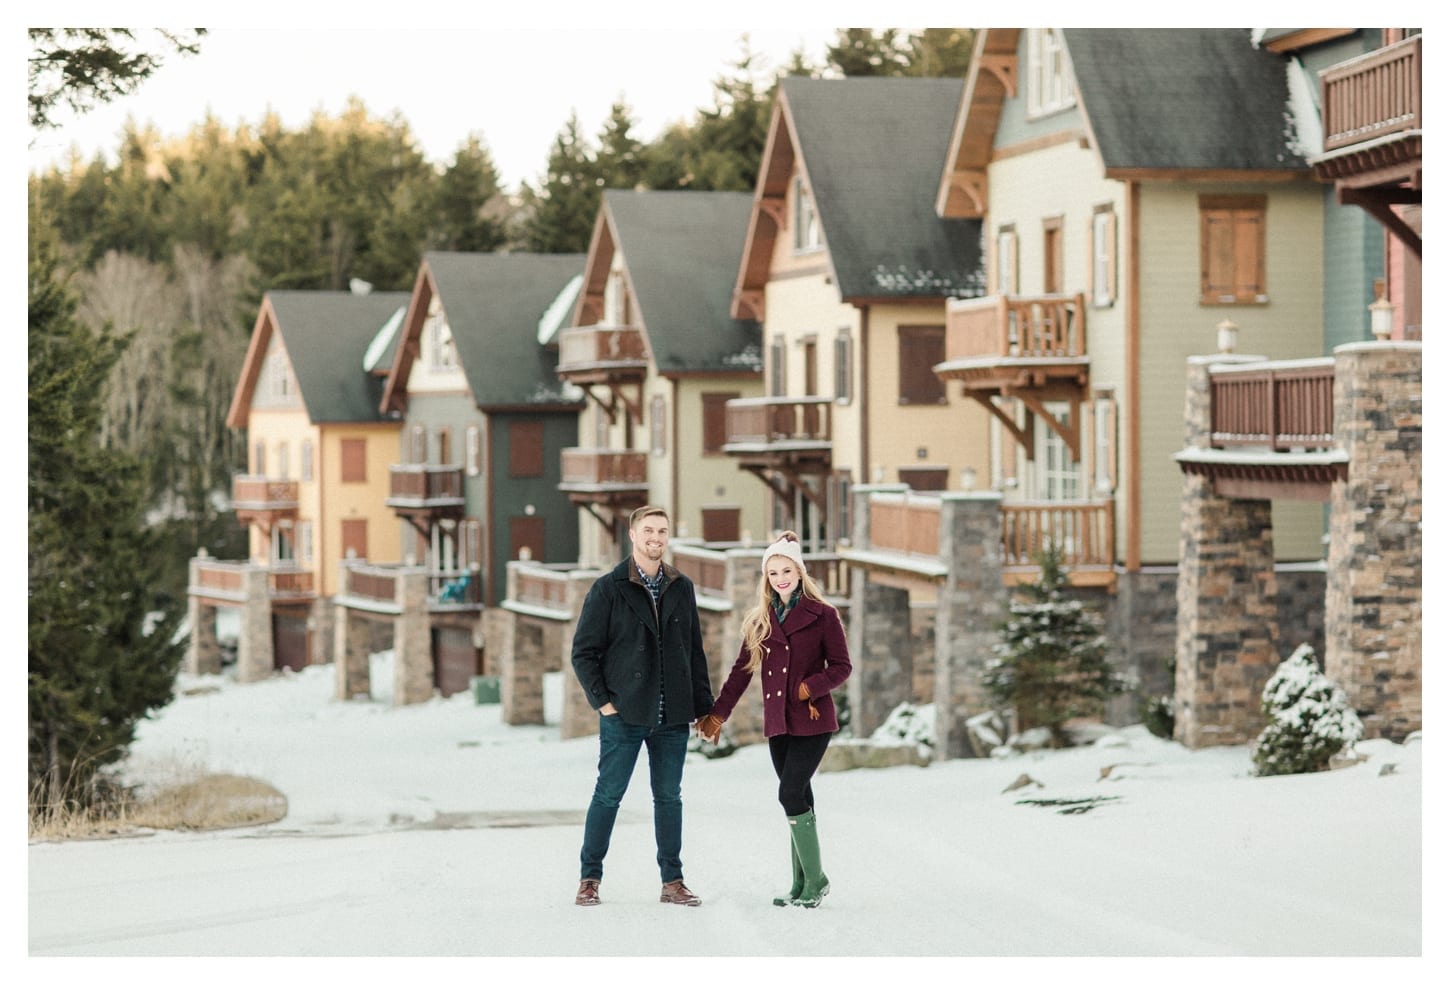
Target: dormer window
(1049,84)
(807,222)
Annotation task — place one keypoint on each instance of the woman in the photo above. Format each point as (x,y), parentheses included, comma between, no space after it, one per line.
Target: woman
(794,642)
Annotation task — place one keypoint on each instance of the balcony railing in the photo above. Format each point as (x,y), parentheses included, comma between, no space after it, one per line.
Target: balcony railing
(708,569)
(756,421)
(601,349)
(225,579)
(1277,405)
(258,492)
(425,485)
(602,466)
(906,524)
(542,587)
(1051,326)
(1082,532)
(379,583)
(1376,94)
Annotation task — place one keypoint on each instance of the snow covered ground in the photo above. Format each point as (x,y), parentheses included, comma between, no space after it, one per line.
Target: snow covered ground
(435,830)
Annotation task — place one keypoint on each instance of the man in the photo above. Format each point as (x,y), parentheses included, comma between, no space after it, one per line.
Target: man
(639,656)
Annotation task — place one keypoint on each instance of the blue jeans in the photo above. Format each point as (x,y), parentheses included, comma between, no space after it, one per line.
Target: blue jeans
(619,744)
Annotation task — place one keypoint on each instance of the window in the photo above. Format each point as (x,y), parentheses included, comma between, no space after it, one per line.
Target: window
(1231,249)
(657,424)
(1105,256)
(471,541)
(354,460)
(807,226)
(472,450)
(713,419)
(355,538)
(1007,260)
(282,463)
(282,546)
(259,458)
(307,460)
(808,358)
(843,366)
(304,541)
(618,302)
(445,446)
(1049,87)
(1052,255)
(1057,475)
(526,449)
(919,348)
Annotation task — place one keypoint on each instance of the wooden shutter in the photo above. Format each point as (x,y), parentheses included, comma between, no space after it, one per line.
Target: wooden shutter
(1231,249)
(354,460)
(712,406)
(526,449)
(919,348)
(355,538)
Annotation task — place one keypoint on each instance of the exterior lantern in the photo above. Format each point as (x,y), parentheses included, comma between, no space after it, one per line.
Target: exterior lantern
(1381,314)
(1228,336)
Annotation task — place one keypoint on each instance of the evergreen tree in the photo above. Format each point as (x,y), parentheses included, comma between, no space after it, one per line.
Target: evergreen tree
(101,654)
(861,51)
(462,220)
(1310,720)
(84,66)
(561,213)
(940,52)
(620,161)
(1052,659)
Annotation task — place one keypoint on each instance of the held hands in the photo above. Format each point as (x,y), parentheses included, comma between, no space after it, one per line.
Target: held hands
(709,728)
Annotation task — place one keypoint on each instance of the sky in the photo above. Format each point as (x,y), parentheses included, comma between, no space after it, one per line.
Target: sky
(515,86)
(436,830)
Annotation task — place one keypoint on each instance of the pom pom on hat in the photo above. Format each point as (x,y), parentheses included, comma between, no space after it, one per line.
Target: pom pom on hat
(786,546)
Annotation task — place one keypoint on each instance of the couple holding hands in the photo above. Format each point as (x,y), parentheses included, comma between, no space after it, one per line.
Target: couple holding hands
(639,657)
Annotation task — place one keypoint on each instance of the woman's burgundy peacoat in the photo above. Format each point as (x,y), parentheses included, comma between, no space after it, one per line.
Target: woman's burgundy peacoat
(810,648)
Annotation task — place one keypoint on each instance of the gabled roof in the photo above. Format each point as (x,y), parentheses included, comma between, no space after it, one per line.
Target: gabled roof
(326,335)
(680,251)
(1184,98)
(872,151)
(493,302)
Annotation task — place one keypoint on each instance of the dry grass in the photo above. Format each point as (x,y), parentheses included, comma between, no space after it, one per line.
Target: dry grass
(203,803)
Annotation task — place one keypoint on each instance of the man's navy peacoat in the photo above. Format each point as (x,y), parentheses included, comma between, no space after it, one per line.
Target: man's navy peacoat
(623,649)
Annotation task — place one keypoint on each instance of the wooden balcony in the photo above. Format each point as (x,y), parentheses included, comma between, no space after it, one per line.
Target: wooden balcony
(602,354)
(616,479)
(1007,343)
(226,581)
(376,586)
(787,426)
(262,500)
(1373,119)
(1373,96)
(1271,431)
(1083,530)
(425,494)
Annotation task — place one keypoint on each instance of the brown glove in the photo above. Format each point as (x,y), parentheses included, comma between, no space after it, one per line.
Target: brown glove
(709,728)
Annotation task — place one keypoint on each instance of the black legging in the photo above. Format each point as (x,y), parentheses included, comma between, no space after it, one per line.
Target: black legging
(796,758)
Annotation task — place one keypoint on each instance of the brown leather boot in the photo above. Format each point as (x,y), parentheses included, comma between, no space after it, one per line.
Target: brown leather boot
(675,892)
(588,894)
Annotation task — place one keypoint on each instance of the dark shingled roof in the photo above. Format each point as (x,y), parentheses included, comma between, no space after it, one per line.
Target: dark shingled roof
(1200,98)
(326,334)
(682,249)
(873,149)
(494,302)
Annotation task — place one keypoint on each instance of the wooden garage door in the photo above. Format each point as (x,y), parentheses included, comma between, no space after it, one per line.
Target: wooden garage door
(289,641)
(455,661)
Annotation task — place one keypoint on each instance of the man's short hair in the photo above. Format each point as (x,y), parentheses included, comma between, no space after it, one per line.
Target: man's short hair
(645,511)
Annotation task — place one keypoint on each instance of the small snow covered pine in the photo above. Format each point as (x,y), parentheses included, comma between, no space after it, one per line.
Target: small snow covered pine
(1310,720)
(1052,659)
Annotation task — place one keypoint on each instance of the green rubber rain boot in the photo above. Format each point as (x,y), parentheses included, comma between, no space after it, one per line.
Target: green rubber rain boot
(808,850)
(797,878)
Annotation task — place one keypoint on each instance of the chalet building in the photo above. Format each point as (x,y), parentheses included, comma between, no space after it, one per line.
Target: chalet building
(654,346)
(318,457)
(1342,431)
(847,266)
(473,481)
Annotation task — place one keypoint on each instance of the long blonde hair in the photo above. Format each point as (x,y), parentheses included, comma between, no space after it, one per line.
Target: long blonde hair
(755,628)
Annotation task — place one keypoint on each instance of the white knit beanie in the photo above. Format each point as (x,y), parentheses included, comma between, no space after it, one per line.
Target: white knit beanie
(789,549)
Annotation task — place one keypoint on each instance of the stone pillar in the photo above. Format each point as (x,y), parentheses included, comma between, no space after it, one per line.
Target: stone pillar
(521,677)
(578,717)
(742,587)
(1373,588)
(880,643)
(970,603)
(351,647)
(412,639)
(203,653)
(1227,646)
(255,657)
(321,625)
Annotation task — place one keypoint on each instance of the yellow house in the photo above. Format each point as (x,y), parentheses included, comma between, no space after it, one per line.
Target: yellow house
(655,346)
(847,267)
(317,472)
